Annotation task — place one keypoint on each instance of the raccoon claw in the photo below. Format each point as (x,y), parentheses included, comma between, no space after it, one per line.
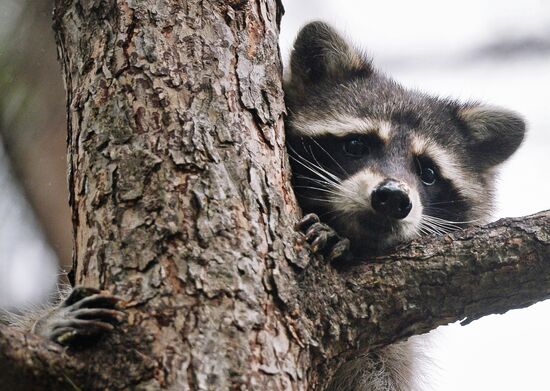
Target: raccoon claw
(323,239)
(307,221)
(86,313)
(319,235)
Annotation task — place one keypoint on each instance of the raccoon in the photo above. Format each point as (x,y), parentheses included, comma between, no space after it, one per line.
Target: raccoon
(375,165)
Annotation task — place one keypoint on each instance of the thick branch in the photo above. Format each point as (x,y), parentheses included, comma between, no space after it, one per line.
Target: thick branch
(461,276)
(433,281)
(31,363)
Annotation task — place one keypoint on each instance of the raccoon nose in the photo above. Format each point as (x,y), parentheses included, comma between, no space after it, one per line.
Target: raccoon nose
(391,200)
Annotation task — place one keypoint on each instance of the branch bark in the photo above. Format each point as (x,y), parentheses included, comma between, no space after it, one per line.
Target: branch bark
(334,312)
(461,276)
(182,205)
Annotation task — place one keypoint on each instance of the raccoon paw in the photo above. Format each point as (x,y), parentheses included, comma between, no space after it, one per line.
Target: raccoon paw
(323,239)
(85,314)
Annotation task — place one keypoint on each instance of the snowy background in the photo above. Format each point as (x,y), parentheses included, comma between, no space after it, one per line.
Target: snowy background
(493,51)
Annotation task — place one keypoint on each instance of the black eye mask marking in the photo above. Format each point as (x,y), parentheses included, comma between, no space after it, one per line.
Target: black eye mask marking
(427,170)
(342,156)
(439,195)
(360,145)
(355,147)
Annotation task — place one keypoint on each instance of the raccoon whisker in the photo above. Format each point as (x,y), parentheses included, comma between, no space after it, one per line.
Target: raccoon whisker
(344,190)
(351,195)
(346,207)
(441,230)
(430,230)
(423,231)
(435,232)
(316,169)
(439,220)
(330,156)
(320,172)
(317,165)
(433,218)
(326,174)
(426,232)
(441,225)
(473,221)
(323,189)
(318,181)
(436,224)
(327,186)
(341,215)
(433,229)
(338,192)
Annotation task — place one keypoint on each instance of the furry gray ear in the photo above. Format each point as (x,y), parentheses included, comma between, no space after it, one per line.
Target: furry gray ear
(495,133)
(321,54)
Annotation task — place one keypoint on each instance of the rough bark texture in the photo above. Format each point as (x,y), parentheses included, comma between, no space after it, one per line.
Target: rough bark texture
(332,313)
(434,281)
(180,194)
(181,205)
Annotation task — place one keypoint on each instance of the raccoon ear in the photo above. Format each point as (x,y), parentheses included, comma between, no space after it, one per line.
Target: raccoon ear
(495,133)
(320,54)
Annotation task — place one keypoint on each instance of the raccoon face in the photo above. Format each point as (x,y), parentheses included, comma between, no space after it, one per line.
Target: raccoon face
(382,164)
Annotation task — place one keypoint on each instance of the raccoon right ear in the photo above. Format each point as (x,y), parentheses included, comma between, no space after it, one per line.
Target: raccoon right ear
(495,133)
(321,54)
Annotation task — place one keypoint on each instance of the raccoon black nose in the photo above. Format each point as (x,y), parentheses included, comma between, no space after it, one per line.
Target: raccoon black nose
(390,200)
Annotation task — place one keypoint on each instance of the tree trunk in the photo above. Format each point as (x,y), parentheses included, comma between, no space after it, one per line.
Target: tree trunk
(179,189)
(182,205)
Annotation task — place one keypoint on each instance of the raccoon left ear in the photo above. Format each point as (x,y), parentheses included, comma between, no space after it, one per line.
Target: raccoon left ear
(322,54)
(495,133)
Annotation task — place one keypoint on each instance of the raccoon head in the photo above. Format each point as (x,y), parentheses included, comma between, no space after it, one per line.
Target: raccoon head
(382,164)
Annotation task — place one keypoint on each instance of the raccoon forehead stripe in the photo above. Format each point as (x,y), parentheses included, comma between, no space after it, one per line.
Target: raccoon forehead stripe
(341,126)
(448,166)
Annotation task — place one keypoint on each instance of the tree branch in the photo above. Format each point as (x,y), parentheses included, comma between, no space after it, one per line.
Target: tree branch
(30,362)
(433,281)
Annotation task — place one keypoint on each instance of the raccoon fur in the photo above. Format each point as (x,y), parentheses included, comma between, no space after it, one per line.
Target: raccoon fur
(375,165)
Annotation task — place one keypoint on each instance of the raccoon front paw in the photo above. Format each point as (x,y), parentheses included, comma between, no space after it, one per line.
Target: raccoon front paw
(323,239)
(85,314)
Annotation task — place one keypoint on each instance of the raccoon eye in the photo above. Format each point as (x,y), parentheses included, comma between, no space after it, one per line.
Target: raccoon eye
(427,176)
(355,147)
(426,170)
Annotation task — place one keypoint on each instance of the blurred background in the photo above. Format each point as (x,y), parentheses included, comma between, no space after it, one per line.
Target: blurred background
(34,213)
(493,51)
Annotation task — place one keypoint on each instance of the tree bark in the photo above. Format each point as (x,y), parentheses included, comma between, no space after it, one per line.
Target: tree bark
(182,205)
(179,189)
